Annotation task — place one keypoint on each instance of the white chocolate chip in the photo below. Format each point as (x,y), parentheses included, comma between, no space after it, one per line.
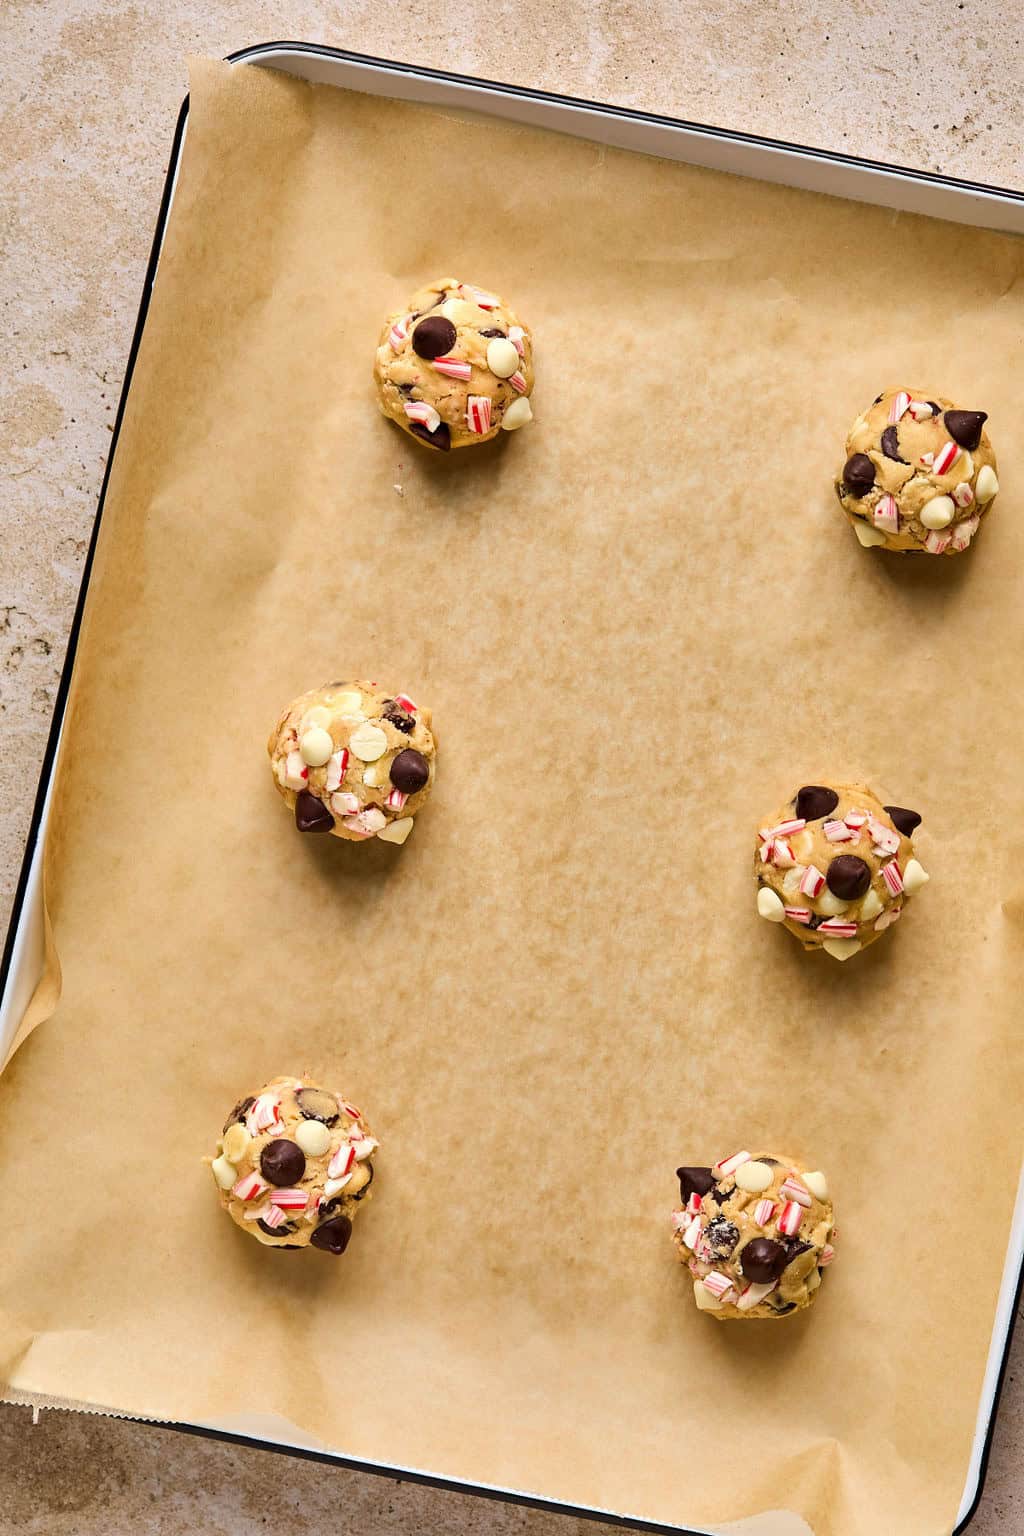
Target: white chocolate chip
(518,414)
(939,512)
(870,907)
(347,703)
(791,879)
(867,535)
(236,1142)
(224,1172)
(398,831)
(313,1137)
(914,876)
(459,312)
(841,949)
(986,485)
(318,715)
(830,905)
(817,1183)
(375,775)
(706,1300)
(502,357)
(753,1177)
(316,746)
(770,906)
(368,742)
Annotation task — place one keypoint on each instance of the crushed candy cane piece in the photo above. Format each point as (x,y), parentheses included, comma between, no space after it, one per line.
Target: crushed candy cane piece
(964,532)
(693,1234)
(856,819)
(838,832)
(886,514)
(515,336)
(419,410)
(396,799)
(717,1283)
(790,1217)
(341,1162)
(478,413)
(730,1164)
(249,1186)
(296,773)
(345,803)
(787,828)
(271,1216)
(927,459)
(826,1256)
(332,1186)
(888,918)
(289,1199)
(452,367)
(481,299)
(398,332)
(350,1110)
(813,882)
(884,839)
(937,543)
(893,877)
(681,1220)
(899,407)
(798,914)
(363,1147)
(920,410)
(838,928)
(764,1210)
(336,769)
(404,702)
(792,1189)
(263,1114)
(946,457)
(962,494)
(753,1294)
(518,382)
(693,1205)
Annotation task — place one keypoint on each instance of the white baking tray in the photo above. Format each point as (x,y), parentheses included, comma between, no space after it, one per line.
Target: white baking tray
(717,149)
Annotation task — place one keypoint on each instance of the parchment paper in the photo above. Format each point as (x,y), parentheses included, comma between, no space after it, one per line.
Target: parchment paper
(639,624)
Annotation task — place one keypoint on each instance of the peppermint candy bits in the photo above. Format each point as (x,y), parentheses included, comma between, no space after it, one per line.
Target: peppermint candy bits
(790,1217)
(478,413)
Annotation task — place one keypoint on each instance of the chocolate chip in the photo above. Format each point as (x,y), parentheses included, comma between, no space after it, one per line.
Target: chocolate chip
(891,445)
(814,801)
(903,820)
(772,1162)
(284,1230)
(406,389)
(694,1181)
(333,1235)
(282,1162)
(794,1247)
(361,1193)
(410,771)
(722,1235)
(763,1260)
(720,1196)
(848,877)
(311,815)
(878,400)
(433,337)
(440,438)
(779,1306)
(936,409)
(494,331)
(858,474)
(238,1113)
(317,1104)
(964,427)
(398,717)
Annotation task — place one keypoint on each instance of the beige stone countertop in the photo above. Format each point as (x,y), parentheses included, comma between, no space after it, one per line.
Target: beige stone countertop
(91,92)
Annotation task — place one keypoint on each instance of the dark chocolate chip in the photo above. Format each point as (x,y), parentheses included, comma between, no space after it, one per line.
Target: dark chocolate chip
(284,1230)
(282,1162)
(441,437)
(722,1235)
(936,408)
(398,717)
(891,445)
(903,820)
(720,1196)
(814,801)
(763,1260)
(333,1235)
(878,400)
(317,1104)
(433,337)
(406,389)
(779,1306)
(311,815)
(772,1162)
(848,877)
(794,1247)
(361,1193)
(494,331)
(238,1113)
(964,427)
(858,474)
(694,1181)
(410,771)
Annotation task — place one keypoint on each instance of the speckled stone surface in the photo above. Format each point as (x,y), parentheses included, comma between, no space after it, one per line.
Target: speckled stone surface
(92,89)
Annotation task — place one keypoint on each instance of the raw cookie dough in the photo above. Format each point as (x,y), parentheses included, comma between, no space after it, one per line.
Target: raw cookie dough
(355,760)
(918,474)
(455,366)
(836,867)
(293,1165)
(756,1234)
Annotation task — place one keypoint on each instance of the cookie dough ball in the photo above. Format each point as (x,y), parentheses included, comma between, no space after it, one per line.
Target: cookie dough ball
(836,867)
(355,760)
(918,474)
(455,366)
(755,1233)
(294,1164)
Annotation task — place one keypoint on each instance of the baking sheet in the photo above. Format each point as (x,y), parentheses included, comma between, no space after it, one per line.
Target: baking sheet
(638,624)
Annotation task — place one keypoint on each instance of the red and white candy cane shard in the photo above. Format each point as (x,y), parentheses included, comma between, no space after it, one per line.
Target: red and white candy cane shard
(420,411)
(838,832)
(887,514)
(764,852)
(452,367)
(515,336)
(751,1295)
(963,535)
(289,1199)
(826,1256)
(396,799)
(946,457)
(263,1114)
(271,1216)
(681,1220)
(787,828)
(404,702)
(892,876)
(398,332)
(364,1146)
(782,854)
(792,1189)
(856,819)
(483,300)
(342,1161)
(937,543)
(927,459)
(717,1283)
(813,882)
(885,839)
(962,494)
(764,1210)
(730,1164)
(350,1109)
(693,1205)
(478,413)
(798,914)
(836,928)
(249,1186)
(693,1234)
(337,763)
(790,1217)
(920,410)
(518,382)
(899,407)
